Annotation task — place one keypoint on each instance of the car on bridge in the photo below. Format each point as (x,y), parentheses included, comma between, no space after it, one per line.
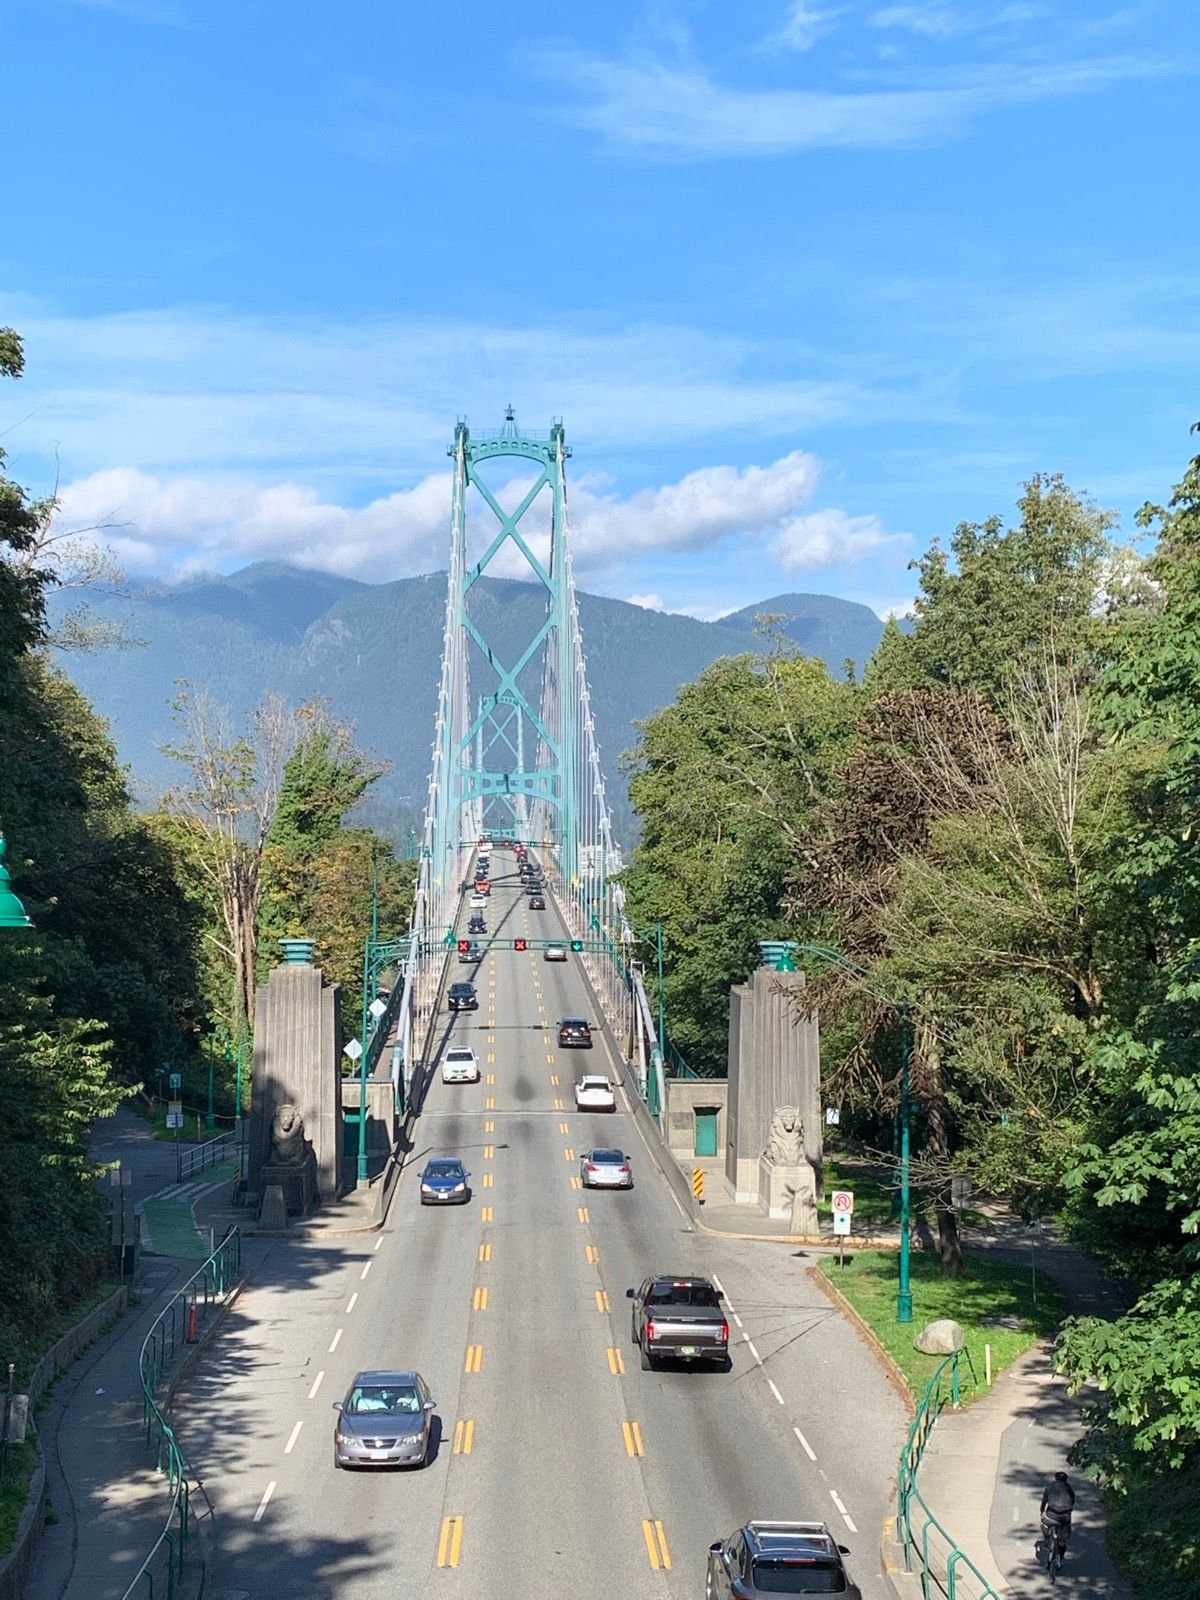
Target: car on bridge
(603,1168)
(554,952)
(478,901)
(770,1558)
(679,1318)
(536,903)
(384,1421)
(574,1034)
(462,997)
(444,1182)
(477,924)
(594,1094)
(459,1065)
(472,953)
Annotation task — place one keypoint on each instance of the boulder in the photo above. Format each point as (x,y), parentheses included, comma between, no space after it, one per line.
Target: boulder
(941,1338)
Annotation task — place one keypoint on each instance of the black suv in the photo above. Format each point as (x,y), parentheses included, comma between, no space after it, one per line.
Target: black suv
(770,1558)
(574,1034)
(462,997)
(477,924)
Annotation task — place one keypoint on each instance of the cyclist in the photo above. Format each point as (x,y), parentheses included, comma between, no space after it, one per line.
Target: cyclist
(1058,1502)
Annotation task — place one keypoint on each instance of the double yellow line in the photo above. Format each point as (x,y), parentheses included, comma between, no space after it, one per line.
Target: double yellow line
(450,1542)
(656,1545)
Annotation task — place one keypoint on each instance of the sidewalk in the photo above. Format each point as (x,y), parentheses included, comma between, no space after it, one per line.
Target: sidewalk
(109,1504)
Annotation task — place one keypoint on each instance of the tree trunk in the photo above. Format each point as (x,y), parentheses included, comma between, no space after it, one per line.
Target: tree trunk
(937,1112)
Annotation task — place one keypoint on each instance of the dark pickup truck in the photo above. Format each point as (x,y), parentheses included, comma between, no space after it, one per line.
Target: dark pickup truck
(680,1319)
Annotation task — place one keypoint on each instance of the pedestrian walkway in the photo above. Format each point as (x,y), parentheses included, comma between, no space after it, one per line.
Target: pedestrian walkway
(109,1504)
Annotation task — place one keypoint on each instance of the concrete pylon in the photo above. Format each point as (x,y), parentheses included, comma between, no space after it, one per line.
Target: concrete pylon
(774,1061)
(297,1041)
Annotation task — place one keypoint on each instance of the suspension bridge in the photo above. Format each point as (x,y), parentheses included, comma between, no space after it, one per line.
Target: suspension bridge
(514,759)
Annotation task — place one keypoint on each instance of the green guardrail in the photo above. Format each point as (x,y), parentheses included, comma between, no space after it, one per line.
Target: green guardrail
(943,1563)
(175,1326)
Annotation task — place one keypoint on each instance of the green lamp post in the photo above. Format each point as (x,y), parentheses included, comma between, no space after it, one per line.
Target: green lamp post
(12,912)
(904,1299)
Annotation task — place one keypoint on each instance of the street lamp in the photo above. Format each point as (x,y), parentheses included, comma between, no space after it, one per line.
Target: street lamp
(12,912)
(904,1302)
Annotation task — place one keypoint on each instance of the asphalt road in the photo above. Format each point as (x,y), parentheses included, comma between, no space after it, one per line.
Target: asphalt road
(559,1466)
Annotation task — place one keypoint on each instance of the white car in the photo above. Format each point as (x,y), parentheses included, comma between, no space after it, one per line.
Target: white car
(459,1065)
(478,901)
(555,952)
(594,1094)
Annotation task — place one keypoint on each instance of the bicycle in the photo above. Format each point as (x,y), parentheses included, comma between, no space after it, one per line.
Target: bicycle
(1053,1545)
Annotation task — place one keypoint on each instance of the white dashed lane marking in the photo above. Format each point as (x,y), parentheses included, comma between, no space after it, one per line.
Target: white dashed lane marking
(804,1445)
(262,1504)
(312,1393)
(292,1437)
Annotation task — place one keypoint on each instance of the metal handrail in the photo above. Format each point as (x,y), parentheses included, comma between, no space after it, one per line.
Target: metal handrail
(933,1402)
(208,1154)
(679,1067)
(212,1283)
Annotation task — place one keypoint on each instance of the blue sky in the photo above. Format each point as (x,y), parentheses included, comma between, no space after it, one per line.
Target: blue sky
(808,282)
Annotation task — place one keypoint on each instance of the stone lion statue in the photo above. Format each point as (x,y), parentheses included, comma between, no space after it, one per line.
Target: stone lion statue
(288,1146)
(785,1146)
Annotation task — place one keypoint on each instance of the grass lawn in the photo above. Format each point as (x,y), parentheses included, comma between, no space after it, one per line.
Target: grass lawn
(870,1187)
(987,1289)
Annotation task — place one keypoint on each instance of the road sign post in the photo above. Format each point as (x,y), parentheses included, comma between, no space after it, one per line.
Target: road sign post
(842,1201)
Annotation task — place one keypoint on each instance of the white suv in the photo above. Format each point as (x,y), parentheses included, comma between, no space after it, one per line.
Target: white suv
(594,1094)
(459,1065)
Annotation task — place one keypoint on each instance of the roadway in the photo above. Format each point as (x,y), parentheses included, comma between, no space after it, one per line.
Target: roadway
(561,1466)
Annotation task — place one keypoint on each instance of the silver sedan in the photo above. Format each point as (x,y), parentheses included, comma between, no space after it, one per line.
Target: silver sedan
(384,1421)
(605,1169)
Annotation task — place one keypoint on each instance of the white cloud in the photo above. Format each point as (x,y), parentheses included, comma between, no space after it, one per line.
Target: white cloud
(804,25)
(678,111)
(374,401)
(941,21)
(824,538)
(214,521)
(648,602)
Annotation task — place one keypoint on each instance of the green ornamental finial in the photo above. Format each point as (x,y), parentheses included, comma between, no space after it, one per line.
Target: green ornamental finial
(12,912)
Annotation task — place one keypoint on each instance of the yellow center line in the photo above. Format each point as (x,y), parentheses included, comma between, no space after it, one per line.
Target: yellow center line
(593,1255)
(487,1180)
(489,1150)
(564,1127)
(616,1362)
(558,1105)
(491,1055)
(485,1252)
(486,1215)
(450,1542)
(633,1440)
(553,1081)
(568,1153)
(489,1127)
(464,1436)
(490,1103)
(480,1301)
(577,1182)
(583,1214)
(656,1545)
(474,1361)
(491,1078)
(602,1304)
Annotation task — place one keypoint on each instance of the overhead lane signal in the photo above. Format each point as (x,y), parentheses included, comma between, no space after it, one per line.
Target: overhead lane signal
(518,944)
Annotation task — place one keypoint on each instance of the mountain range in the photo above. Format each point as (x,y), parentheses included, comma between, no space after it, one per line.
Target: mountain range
(374,652)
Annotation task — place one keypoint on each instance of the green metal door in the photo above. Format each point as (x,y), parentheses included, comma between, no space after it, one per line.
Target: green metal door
(706,1130)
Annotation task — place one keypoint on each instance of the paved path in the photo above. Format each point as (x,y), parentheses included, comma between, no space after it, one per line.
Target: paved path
(109,1502)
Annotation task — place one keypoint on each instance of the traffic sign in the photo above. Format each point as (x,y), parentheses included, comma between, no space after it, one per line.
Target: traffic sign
(174,1113)
(353,1049)
(377,1008)
(518,944)
(841,1222)
(577,945)
(843,1202)
(175,1081)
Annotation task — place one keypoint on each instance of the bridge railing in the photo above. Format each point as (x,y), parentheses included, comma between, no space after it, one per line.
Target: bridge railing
(174,1327)
(210,1154)
(941,1562)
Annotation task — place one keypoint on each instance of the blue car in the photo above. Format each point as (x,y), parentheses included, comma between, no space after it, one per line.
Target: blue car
(444,1182)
